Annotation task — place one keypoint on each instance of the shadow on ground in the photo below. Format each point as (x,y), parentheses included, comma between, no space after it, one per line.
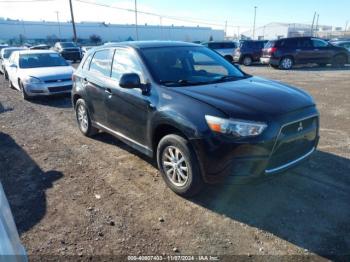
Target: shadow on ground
(59,101)
(309,207)
(24,184)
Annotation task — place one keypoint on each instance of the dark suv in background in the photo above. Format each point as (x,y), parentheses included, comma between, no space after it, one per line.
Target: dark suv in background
(287,52)
(197,114)
(69,50)
(248,52)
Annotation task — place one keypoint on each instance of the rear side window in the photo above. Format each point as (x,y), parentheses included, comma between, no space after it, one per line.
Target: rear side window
(101,62)
(86,64)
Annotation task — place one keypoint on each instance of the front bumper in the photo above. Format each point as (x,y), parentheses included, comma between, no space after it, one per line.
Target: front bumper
(279,148)
(47,89)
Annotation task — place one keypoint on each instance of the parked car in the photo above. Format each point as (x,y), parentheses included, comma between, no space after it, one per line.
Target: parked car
(84,49)
(11,249)
(248,52)
(39,73)
(5,54)
(287,52)
(200,116)
(225,49)
(40,47)
(345,44)
(68,50)
(3,46)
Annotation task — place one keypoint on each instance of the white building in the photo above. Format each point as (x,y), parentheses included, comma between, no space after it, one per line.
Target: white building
(282,30)
(10,29)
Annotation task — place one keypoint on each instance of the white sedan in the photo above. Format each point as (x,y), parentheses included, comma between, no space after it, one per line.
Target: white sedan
(39,73)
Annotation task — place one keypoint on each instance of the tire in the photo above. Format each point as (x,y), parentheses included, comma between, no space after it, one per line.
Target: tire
(322,65)
(286,63)
(6,75)
(229,58)
(339,61)
(23,91)
(247,61)
(183,161)
(83,119)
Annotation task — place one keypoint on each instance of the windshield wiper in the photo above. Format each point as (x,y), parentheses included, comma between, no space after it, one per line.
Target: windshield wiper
(181,82)
(229,77)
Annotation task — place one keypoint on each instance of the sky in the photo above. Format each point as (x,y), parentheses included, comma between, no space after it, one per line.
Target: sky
(239,14)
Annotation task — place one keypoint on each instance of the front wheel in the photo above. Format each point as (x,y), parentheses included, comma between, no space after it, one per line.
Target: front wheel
(23,90)
(83,119)
(247,61)
(339,61)
(178,165)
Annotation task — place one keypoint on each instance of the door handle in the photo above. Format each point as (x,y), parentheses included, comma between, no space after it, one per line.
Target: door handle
(108,91)
(316,49)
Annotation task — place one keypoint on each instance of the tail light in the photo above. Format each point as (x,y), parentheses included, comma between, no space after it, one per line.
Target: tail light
(272,50)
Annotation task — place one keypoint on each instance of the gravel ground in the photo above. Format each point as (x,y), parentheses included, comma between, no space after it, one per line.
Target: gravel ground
(72,195)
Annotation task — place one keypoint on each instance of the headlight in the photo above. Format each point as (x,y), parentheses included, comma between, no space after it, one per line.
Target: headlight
(237,128)
(32,80)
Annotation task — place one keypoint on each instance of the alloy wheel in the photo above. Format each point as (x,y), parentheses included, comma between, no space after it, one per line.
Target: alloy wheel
(175,166)
(287,63)
(82,118)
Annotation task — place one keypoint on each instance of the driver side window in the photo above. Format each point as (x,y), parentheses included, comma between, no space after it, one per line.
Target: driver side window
(319,43)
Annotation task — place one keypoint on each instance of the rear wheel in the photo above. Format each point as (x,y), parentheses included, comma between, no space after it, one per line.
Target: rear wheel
(6,75)
(247,61)
(83,119)
(178,165)
(286,63)
(339,61)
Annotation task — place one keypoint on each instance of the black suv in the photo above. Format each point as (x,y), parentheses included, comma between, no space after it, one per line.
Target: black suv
(286,52)
(198,115)
(248,52)
(69,50)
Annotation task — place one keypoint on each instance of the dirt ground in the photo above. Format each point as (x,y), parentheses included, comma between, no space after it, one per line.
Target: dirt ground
(71,195)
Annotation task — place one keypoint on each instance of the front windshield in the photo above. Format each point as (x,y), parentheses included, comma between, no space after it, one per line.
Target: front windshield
(41,60)
(64,45)
(177,66)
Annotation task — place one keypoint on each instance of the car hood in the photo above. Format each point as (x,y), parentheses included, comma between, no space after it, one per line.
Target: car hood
(250,98)
(50,73)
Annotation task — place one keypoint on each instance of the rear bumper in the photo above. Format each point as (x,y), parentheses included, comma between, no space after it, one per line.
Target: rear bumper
(270,154)
(71,55)
(269,61)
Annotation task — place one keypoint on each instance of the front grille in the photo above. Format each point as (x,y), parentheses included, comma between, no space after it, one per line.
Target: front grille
(58,80)
(59,89)
(294,141)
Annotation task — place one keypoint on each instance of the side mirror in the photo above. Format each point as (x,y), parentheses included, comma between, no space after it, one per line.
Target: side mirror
(130,81)
(13,66)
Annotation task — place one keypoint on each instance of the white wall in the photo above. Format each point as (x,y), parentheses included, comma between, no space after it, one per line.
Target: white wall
(108,32)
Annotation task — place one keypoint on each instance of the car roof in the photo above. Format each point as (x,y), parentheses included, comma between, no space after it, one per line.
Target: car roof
(16,48)
(147,44)
(25,52)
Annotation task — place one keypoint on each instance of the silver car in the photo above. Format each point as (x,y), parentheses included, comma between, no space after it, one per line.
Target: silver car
(5,54)
(225,48)
(39,73)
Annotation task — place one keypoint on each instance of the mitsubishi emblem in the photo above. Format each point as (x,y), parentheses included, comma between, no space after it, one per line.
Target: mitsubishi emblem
(300,128)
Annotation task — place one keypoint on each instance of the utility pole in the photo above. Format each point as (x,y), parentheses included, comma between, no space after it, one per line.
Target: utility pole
(346,27)
(312,26)
(254,22)
(226,28)
(318,16)
(59,25)
(136,26)
(73,23)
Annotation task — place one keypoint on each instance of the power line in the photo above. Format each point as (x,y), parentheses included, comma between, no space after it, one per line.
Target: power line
(182,19)
(24,1)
